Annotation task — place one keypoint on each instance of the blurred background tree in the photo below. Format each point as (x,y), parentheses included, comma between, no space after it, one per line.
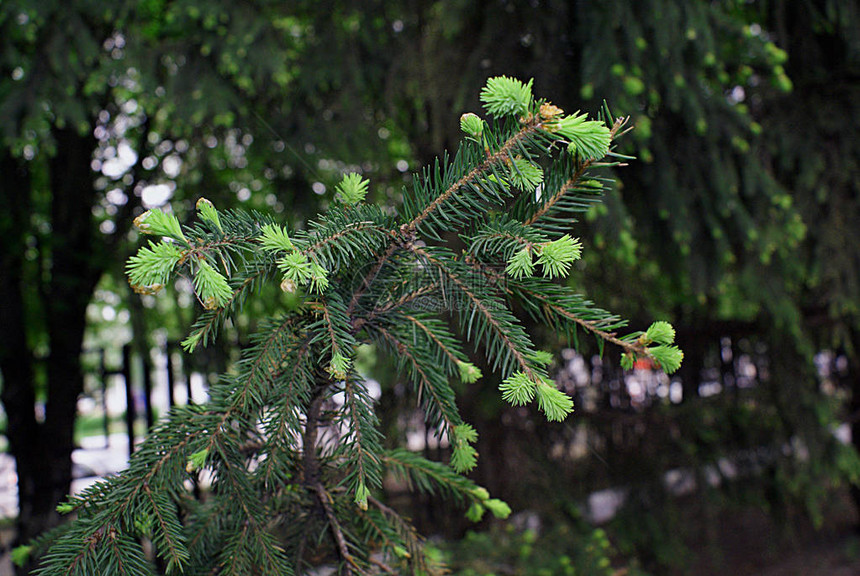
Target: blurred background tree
(745,113)
(106,111)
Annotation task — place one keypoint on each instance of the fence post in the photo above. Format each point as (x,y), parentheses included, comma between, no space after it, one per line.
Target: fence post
(187,372)
(103,375)
(171,400)
(129,396)
(146,360)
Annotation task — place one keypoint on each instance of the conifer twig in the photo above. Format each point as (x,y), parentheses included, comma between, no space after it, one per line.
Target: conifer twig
(291,432)
(402,301)
(483,310)
(325,500)
(499,156)
(564,189)
(433,337)
(425,383)
(571,182)
(589,325)
(370,277)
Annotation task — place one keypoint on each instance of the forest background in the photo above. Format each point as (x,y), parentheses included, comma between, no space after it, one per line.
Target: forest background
(735,221)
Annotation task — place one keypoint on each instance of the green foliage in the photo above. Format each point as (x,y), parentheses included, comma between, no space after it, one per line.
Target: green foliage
(20,554)
(518,389)
(667,357)
(552,401)
(274,238)
(159,223)
(556,257)
(211,286)
(472,125)
(503,96)
(206,211)
(153,266)
(469,373)
(521,264)
(464,457)
(352,189)
(675,68)
(731,244)
(290,437)
(296,268)
(525,175)
(660,332)
(588,138)
(561,550)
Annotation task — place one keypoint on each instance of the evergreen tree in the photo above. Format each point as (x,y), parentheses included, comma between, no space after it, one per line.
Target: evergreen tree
(289,443)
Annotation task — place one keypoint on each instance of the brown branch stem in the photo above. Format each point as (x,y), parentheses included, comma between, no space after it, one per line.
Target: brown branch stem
(339,539)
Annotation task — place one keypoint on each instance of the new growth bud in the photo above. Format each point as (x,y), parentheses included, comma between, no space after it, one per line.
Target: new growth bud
(472,125)
(207,212)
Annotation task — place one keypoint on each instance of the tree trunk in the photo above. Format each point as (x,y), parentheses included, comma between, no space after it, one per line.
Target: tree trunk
(42,449)
(16,359)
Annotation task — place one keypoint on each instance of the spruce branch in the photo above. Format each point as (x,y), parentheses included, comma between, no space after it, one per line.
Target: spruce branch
(552,310)
(500,325)
(433,478)
(394,535)
(167,531)
(207,325)
(290,436)
(503,96)
(393,305)
(554,403)
(160,223)
(212,288)
(588,139)
(337,241)
(294,392)
(439,405)
(503,236)
(151,267)
(521,264)
(556,257)
(261,364)
(571,183)
(362,442)
(352,188)
(454,356)
(464,457)
(574,182)
(525,175)
(499,157)
(274,238)
(472,125)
